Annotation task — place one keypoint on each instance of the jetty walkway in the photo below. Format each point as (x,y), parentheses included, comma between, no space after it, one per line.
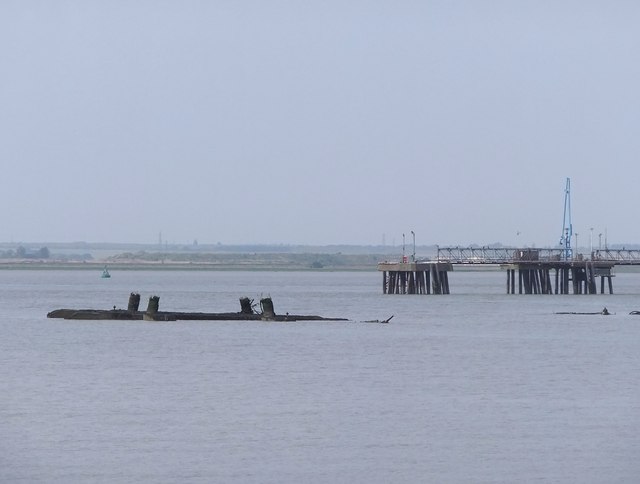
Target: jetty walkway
(537,271)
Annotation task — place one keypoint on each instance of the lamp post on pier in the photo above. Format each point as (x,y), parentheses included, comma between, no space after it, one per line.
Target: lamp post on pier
(413,256)
(404,257)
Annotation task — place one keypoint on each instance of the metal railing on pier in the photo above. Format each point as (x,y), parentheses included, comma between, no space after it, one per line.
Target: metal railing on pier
(501,255)
(510,255)
(623,256)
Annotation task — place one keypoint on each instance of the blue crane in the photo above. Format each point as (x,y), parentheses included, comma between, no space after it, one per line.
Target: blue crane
(567,228)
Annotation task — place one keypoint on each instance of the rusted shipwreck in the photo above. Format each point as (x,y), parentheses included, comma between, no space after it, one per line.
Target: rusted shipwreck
(248,312)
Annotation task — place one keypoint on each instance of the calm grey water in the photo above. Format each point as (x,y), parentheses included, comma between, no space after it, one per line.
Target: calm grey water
(473,387)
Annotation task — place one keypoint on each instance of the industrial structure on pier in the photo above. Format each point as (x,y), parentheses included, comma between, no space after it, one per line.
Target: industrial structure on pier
(529,271)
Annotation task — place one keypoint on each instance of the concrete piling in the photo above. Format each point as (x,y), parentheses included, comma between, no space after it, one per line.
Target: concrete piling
(415,277)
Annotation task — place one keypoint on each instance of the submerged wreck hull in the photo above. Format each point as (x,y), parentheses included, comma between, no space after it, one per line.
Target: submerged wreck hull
(95,314)
(123,315)
(152,313)
(248,312)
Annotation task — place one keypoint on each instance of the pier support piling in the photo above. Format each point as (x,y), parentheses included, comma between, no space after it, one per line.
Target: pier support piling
(575,277)
(415,277)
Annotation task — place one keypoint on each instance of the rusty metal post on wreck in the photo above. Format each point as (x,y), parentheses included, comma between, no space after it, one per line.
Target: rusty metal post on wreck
(154,304)
(267,308)
(134,302)
(245,305)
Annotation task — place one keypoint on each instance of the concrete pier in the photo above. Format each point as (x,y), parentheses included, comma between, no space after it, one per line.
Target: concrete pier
(529,270)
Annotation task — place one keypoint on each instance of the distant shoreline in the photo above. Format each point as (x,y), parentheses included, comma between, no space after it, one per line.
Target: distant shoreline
(237,263)
(204,261)
(168,266)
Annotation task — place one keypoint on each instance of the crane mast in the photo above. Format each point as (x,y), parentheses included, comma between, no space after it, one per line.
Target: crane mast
(567,227)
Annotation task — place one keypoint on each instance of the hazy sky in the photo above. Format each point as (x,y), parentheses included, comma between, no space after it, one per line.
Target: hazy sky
(318,122)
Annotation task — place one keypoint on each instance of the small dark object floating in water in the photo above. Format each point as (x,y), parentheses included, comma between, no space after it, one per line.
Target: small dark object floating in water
(604,312)
(383,321)
(636,313)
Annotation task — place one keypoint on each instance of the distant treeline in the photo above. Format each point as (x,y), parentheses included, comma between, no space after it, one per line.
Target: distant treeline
(21,252)
(91,247)
(42,253)
(320,256)
(256,260)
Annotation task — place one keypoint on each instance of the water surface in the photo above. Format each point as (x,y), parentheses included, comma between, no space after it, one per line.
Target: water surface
(476,386)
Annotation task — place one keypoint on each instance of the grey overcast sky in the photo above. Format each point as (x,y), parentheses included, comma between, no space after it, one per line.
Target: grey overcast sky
(318,122)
